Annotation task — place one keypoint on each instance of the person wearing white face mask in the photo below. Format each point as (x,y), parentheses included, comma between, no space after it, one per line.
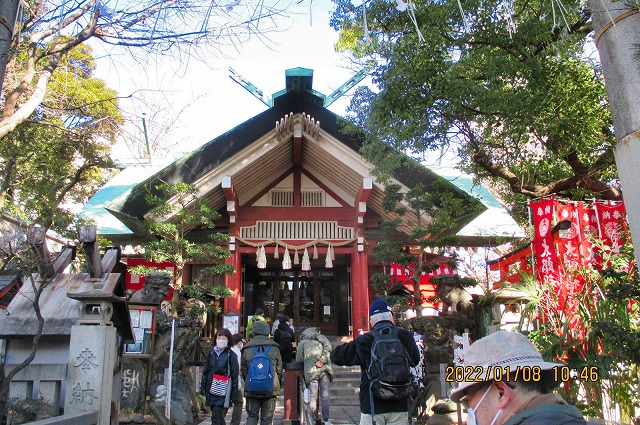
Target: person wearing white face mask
(221,365)
(237,343)
(511,384)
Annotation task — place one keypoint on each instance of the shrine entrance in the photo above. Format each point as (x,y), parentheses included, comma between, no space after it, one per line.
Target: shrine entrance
(315,298)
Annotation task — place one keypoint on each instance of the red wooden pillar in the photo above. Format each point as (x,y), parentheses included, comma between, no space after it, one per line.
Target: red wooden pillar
(359,291)
(234,282)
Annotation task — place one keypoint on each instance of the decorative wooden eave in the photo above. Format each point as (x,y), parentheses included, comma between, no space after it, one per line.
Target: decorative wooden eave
(361,198)
(232,199)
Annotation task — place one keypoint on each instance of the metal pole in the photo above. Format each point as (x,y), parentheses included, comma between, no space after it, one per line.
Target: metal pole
(8,14)
(167,408)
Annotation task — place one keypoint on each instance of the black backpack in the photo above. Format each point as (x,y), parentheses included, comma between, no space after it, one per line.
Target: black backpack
(285,340)
(389,371)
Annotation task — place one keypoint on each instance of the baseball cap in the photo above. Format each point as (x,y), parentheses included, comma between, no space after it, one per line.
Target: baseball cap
(378,306)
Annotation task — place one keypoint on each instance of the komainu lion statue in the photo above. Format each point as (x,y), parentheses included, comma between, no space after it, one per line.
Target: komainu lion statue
(455,298)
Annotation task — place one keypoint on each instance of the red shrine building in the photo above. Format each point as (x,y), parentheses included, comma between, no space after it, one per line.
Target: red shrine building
(300,206)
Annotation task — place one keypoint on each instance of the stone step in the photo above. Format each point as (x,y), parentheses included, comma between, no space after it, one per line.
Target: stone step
(345,369)
(345,386)
(350,383)
(352,400)
(345,394)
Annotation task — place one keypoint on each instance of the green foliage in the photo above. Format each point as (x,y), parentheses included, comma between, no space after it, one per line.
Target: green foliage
(434,213)
(176,211)
(522,106)
(194,310)
(145,270)
(25,411)
(194,291)
(379,283)
(222,291)
(60,155)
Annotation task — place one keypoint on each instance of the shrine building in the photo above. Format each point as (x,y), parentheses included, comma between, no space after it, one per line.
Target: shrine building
(300,206)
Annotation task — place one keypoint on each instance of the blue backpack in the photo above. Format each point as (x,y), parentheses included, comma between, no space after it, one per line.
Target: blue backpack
(260,375)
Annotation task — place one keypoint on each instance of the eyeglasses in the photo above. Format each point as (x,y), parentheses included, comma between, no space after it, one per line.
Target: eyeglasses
(464,401)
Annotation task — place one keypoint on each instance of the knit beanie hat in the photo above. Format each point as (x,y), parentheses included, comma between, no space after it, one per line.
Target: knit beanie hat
(259,328)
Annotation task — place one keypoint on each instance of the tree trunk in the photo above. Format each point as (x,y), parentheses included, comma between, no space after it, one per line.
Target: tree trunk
(7,377)
(617,28)
(8,13)
(177,288)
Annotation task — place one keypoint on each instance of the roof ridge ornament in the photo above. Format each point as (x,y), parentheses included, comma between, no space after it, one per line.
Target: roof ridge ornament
(284,127)
(311,126)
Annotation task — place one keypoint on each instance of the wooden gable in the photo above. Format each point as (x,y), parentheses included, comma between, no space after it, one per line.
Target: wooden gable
(260,155)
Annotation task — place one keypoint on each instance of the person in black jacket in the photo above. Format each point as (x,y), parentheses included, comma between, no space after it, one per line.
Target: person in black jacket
(358,353)
(220,361)
(284,336)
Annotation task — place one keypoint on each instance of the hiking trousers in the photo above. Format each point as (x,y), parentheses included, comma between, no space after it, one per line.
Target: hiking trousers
(390,418)
(322,384)
(217,415)
(262,408)
(238,403)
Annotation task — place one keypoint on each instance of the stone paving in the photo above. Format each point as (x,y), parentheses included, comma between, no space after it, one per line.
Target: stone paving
(339,414)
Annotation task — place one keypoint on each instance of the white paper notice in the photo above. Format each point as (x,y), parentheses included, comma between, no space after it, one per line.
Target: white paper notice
(327,310)
(145,319)
(138,334)
(231,323)
(135,318)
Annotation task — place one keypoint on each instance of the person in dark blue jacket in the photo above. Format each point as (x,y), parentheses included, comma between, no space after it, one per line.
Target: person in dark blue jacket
(358,353)
(220,361)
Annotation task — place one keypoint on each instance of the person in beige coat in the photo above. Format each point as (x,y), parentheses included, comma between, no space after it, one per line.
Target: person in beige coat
(314,350)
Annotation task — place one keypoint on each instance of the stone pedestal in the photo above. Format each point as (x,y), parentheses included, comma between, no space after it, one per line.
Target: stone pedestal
(92,359)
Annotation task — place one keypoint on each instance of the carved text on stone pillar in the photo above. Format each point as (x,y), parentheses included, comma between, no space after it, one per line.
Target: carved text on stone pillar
(83,396)
(85,360)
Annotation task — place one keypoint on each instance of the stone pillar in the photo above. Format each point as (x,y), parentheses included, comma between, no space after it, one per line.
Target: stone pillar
(617,28)
(92,360)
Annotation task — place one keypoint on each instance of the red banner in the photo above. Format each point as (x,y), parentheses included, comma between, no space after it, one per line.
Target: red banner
(569,245)
(589,230)
(611,220)
(545,254)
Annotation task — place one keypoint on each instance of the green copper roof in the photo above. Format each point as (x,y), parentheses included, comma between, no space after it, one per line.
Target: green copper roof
(118,186)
